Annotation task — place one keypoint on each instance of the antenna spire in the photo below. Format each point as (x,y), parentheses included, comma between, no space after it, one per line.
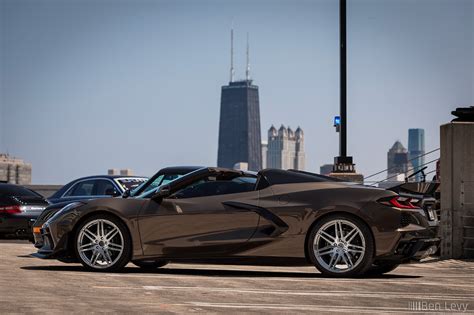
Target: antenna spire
(247,71)
(232,54)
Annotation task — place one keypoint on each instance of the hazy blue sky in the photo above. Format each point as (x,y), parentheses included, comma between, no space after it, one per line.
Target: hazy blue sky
(91,85)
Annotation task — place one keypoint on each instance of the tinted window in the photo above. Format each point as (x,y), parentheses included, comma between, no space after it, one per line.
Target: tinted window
(211,186)
(84,188)
(104,187)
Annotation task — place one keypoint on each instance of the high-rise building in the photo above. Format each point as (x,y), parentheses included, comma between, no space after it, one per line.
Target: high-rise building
(14,171)
(239,125)
(264,154)
(285,149)
(416,148)
(397,162)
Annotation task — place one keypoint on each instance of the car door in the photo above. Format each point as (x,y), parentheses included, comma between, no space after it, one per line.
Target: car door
(197,223)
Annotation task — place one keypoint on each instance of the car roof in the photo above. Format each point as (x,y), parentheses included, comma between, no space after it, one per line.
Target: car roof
(277,176)
(179,169)
(108,177)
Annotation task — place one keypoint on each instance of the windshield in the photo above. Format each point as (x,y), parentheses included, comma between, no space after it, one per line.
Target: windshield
(155,183)
(131,182)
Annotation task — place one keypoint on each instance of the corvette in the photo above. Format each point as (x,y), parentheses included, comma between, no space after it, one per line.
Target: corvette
(273,217)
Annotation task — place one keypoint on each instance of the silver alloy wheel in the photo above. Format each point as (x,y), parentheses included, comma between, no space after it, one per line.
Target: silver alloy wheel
(100,243)
(339,246)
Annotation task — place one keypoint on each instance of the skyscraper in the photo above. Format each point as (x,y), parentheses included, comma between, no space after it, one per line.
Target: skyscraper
(239,125)
(397,163)
(416,147)
(285,148)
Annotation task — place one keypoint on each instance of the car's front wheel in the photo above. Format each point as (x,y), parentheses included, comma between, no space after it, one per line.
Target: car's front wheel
(341,246)
(102,243)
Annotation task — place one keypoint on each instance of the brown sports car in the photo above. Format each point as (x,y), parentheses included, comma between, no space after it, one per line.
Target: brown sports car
(273,217)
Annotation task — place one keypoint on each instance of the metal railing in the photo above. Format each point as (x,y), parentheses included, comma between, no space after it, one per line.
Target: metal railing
(407,171)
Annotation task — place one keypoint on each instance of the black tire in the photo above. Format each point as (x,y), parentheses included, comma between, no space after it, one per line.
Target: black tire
(122,259)
(150,264)
(381,268)
(360,263)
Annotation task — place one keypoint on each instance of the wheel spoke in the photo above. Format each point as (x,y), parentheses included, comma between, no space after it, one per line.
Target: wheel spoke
(87,247)
(349,259)
(115,247)
(339,232)
(350,236)
(325,250)
(327,237)
(352,246)
(334,264)
(107,256)
(101,228)
(94,257)
(110,235)
(90,235)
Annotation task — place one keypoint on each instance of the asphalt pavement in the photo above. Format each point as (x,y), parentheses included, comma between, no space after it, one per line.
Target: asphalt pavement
(31,285)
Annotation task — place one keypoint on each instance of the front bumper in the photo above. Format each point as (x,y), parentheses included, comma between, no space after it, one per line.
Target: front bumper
(50,247)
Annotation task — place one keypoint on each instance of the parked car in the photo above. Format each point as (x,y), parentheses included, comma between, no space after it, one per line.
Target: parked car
(95,187)
(138,187)
(216,215)
(18,207)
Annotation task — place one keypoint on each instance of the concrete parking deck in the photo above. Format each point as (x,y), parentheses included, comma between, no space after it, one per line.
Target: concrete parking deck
(30,285)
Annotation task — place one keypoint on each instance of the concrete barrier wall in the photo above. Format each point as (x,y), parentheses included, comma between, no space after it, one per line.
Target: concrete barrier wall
(457,190)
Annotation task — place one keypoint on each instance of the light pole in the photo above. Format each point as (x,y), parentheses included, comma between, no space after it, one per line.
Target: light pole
(343,163)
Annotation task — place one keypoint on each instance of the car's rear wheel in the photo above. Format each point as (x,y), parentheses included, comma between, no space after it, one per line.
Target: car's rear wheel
(102,243)
(341,246)
(150,264)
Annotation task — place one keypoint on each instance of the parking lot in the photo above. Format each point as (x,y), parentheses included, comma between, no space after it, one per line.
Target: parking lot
(30,285)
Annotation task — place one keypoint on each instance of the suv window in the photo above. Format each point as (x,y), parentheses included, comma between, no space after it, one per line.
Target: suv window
(104,188)
(211,186)
(92,187)
(83,188)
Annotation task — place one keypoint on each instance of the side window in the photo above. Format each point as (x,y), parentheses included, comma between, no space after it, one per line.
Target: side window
(212,186)
(153,185)
(169,177)
(84,188)
(104,188)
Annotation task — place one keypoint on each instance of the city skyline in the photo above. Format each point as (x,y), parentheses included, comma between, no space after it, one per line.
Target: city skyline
(87,85)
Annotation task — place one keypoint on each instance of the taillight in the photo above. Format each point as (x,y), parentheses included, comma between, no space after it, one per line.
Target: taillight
(10,209)
(399,202)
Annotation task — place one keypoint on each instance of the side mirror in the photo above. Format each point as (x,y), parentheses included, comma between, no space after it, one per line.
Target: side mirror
(126,193)
(163,192)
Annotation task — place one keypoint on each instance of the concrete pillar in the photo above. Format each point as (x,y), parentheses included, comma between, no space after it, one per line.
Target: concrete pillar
(457,190)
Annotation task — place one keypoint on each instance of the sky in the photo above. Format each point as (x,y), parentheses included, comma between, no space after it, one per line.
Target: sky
(90,85)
